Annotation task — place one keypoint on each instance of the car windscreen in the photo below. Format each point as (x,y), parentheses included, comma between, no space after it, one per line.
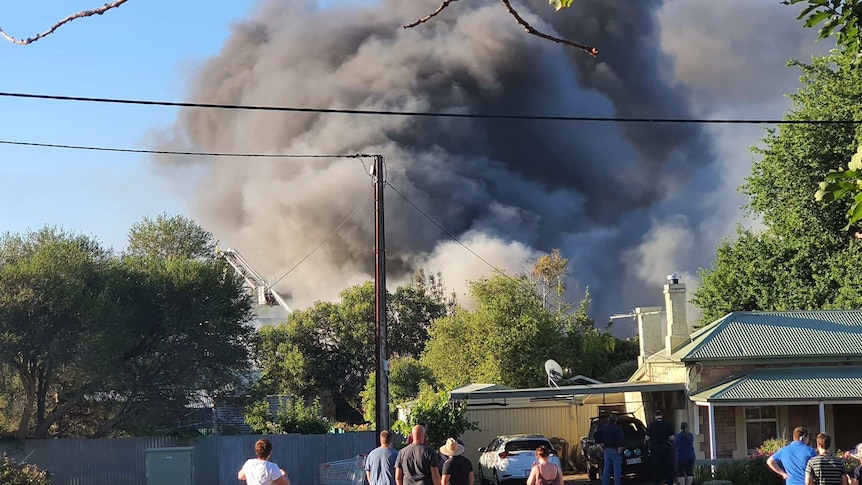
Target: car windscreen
(526,445)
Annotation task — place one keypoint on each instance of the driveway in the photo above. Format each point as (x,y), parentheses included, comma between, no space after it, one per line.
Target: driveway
(582,479)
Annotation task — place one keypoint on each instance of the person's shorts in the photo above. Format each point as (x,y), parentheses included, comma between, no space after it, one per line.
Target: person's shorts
(685,468)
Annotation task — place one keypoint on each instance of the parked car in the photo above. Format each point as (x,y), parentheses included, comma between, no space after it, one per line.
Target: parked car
(635,455)
(509,458)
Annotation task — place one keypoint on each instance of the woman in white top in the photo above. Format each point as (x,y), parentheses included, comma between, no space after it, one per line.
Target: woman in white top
(261,471)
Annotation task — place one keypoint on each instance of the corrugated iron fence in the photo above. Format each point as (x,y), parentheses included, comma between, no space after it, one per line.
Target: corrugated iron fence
(216,459)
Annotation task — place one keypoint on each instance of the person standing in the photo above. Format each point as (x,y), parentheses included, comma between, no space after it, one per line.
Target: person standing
(380,462)
(856,474)
(261,471)
(416,463)
(790,460)
(543,471)
(683,444)
(457,469)
(659,435)
(825,468)
(611,436)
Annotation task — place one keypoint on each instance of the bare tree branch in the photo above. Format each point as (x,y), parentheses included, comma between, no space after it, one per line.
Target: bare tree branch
(530,30)
(86,13)
(432,15)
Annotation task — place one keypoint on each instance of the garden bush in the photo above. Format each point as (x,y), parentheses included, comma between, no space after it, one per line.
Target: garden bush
(12,473)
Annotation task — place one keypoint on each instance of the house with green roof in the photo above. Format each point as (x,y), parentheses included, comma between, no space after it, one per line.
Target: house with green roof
(751,376)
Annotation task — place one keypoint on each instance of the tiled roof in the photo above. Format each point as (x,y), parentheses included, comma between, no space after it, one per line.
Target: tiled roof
(833,383)
(835,334)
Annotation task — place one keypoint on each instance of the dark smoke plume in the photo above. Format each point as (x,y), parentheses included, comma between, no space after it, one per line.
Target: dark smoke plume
(622,201)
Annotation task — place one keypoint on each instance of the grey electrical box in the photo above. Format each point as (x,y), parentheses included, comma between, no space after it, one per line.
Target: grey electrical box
(169,466)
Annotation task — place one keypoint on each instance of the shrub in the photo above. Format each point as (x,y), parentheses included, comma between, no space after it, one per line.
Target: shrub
(440,416)
(733,471)
(770,446)
(292,416)
(12,473)
(757,471)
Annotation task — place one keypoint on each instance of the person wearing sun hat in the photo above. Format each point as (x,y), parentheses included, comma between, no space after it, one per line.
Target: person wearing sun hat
(457,469)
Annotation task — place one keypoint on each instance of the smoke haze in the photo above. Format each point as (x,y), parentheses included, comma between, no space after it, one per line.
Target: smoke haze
(627,203)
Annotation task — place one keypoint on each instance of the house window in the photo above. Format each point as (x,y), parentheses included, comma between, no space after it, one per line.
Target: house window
(761,424)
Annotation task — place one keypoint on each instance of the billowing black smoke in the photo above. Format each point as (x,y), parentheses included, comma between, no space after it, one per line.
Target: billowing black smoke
(508,189)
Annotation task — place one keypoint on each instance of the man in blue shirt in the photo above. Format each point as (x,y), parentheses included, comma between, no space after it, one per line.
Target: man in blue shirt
(612,437)
(380,463)
(790,461)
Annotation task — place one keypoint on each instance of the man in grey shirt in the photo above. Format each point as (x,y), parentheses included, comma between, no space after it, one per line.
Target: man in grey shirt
(417,463)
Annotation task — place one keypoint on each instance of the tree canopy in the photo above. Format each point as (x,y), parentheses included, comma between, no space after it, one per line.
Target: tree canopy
(103,344)
(512,329)
(327,350)
(802,258)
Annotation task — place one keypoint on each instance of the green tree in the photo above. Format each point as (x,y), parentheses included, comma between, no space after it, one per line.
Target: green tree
(841,19)
(441,417)
(170,237)
(802,259)
(412,309)
(838,18)
(550,273)
(49,291)
(102,344)
(181,328)
(406,376)
(327,350)
(504,340)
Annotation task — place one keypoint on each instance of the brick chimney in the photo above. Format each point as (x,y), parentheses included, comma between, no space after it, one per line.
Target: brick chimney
(678,332)
(649,331)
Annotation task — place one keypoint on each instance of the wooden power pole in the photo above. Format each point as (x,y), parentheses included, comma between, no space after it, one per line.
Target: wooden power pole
(381,414)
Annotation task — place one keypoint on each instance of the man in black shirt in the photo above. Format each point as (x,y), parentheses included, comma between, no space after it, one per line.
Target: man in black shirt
(659,434)
(614,440)
(457,469)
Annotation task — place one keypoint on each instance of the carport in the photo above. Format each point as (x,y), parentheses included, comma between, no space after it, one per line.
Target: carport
(562,412)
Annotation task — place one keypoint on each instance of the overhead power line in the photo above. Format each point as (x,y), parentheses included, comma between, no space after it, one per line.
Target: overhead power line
(443,229)
(302,260)
(429,114)
(178,153)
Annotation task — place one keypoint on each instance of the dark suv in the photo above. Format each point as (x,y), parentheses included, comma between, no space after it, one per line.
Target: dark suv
(635,456)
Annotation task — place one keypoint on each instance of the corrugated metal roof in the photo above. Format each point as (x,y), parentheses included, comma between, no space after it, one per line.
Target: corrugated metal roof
(759,335)
(570,391)
(835,383)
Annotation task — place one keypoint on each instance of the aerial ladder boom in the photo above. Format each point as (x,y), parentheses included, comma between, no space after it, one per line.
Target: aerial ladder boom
(264,294)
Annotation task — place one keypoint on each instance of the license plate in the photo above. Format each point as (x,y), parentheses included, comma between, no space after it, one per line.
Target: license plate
(632,461)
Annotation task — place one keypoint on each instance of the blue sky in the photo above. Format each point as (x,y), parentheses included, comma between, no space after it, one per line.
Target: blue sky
(144,49)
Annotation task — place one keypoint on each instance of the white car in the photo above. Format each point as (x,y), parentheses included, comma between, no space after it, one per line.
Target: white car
(511,457)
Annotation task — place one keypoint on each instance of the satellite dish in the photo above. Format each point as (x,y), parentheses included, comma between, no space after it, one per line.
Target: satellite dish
(554,371)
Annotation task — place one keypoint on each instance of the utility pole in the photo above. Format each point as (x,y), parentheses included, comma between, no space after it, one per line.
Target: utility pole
(381,414)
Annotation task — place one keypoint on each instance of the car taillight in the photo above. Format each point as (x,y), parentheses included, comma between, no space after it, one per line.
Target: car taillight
(504,455)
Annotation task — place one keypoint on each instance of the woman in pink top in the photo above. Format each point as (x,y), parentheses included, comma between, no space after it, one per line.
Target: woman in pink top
(544,472)
(261,471)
